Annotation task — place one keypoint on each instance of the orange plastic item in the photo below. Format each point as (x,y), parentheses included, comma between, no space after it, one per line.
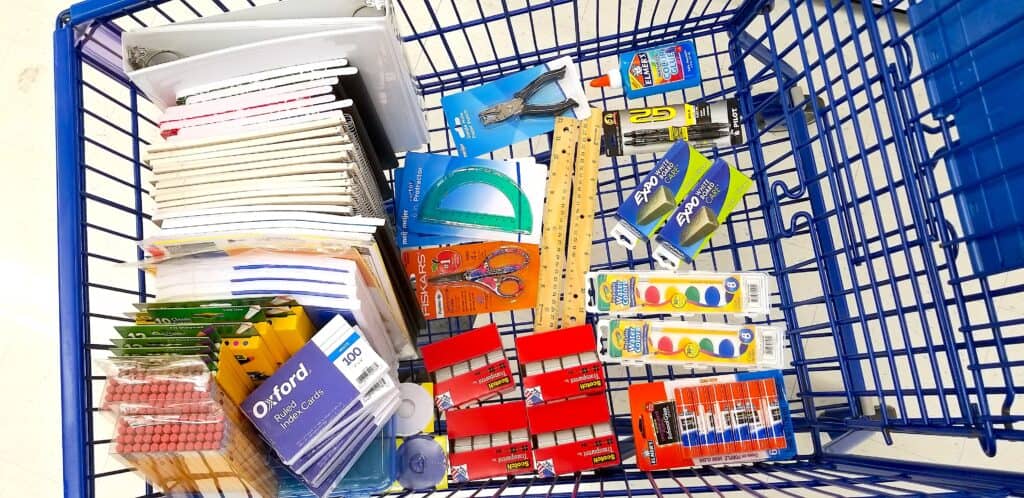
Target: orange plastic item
(469,279)
(601,81)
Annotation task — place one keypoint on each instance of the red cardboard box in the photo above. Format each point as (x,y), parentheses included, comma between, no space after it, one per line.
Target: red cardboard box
(500,421)
(573,416)
(584,379)
(474,384)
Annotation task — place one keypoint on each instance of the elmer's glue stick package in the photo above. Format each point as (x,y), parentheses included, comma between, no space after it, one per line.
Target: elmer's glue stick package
(736,418)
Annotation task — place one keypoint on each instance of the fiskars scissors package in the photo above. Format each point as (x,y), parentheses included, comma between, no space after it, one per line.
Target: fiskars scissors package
(475,278)
(515,108)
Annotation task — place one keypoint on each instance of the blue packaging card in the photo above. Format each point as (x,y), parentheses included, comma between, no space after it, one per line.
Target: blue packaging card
(346,428)
(521,200)
(379,405)
(341,452)
(374,405)
(374,470)
(326,468)
(473,138)
(342,465)
(314,389)
(406,238)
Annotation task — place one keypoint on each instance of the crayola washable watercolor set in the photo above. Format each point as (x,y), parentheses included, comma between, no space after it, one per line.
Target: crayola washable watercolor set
(690,344)
(653,292)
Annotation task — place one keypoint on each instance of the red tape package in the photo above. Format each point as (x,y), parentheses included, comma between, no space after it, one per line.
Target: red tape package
(560,364)
(468,367)
(489,441)
(573,435)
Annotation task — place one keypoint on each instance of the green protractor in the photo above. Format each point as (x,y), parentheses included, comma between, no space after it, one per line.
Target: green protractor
(521,220)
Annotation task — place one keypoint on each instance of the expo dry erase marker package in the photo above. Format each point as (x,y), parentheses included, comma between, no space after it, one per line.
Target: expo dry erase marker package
(655,197)
(663,292)
(707,205)
(690,344)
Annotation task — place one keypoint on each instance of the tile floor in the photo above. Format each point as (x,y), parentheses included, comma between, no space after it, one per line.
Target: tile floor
(29,460)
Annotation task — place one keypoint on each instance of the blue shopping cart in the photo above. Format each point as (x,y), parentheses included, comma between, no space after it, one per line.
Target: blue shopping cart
(884,211)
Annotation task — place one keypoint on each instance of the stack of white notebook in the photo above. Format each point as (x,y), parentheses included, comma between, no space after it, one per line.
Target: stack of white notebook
(279,34)
(257,162)
(255,141)
(278,124)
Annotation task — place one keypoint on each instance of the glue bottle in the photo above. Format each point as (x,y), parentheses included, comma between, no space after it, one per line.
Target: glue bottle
(654,70)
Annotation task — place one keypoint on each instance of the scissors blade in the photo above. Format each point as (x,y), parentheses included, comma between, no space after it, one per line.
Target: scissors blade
(451,277)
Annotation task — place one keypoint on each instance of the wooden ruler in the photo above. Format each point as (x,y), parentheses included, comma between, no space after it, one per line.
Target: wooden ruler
(556,212)
(581,227)
(574,157)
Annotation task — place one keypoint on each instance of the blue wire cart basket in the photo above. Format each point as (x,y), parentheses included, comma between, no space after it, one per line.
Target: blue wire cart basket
(883,210)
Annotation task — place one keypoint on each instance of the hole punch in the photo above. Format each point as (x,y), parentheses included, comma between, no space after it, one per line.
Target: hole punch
(519,106)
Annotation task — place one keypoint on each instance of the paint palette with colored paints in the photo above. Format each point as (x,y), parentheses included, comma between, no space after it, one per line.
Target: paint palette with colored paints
(660,292)
(691,344)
